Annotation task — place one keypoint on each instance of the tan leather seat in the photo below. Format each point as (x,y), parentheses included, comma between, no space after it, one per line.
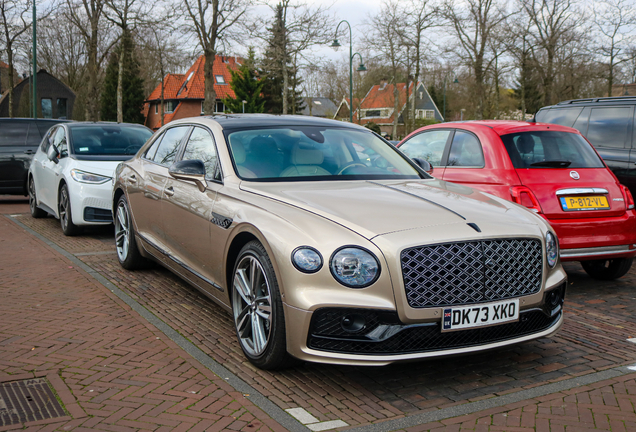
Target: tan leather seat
(305,162)
(238,151)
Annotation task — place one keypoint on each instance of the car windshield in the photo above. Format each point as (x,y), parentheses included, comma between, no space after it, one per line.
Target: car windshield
(550,149)
(316,153)
(108,140)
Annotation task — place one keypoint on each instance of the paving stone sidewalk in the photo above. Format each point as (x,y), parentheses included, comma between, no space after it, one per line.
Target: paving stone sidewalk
(112,369)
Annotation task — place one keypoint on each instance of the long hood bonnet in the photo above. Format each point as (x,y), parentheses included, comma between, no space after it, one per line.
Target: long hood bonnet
(106,168)
(374,208)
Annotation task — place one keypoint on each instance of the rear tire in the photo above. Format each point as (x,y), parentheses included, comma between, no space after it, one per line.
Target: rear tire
(128,253)
(66,216)
(36,212)
(607,269)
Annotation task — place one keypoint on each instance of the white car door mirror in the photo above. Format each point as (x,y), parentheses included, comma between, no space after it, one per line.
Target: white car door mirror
(52,153)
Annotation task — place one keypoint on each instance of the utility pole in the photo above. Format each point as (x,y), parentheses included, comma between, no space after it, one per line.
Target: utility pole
(35,67)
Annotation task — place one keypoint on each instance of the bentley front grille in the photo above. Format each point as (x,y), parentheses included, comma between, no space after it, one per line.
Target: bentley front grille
(471,272)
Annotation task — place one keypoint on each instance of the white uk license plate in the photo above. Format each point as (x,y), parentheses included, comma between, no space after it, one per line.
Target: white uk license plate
(480,315)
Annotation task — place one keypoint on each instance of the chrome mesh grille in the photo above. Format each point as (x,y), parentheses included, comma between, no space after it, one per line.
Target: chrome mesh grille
(471,272)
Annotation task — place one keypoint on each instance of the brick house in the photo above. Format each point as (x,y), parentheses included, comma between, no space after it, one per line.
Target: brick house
(378,107)
(183,94)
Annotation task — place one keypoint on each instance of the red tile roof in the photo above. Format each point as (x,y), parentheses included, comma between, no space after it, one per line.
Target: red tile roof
(3,64)
(382,97)
(194,80)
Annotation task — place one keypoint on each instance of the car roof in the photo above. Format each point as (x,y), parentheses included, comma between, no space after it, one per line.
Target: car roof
(25,119)
(104,123)
(242,121)
(504,127)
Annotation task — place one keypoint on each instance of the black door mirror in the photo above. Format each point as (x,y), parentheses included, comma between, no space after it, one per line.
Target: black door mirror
(192,170)
(424,164)
(52,153)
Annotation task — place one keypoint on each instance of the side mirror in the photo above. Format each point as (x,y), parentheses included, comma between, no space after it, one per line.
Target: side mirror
(424,164)
(52,153)
(192,170)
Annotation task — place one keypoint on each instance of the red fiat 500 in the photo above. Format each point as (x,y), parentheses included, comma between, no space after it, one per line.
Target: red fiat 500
(553,170)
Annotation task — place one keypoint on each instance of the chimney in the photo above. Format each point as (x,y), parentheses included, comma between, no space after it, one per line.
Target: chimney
(382,83)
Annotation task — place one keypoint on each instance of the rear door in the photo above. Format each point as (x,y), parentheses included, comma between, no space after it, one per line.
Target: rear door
(565,174)
(15,155)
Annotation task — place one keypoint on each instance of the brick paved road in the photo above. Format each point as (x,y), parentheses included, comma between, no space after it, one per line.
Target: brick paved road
(599,319)
(126,376)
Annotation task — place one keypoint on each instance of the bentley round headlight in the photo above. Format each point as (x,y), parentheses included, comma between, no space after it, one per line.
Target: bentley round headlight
(306,259)
(552,249)
(354,267)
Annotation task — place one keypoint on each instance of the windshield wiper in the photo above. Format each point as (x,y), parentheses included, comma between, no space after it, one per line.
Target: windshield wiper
(553,163)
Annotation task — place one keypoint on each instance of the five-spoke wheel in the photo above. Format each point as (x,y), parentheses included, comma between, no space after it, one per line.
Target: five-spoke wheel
(36,212)
(127,251)
(66,217)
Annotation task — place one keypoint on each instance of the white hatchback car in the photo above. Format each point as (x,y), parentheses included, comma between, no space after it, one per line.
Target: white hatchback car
(71,173)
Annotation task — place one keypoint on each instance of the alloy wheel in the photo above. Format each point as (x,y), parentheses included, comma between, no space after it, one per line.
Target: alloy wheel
(32,200)
(122,231)
(64,208)
(252,305)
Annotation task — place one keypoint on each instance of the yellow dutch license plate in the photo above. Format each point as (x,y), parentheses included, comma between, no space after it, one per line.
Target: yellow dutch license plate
(584,203)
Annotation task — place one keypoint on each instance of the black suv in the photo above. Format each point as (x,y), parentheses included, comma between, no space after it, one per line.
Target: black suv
(19,139)
(608,123)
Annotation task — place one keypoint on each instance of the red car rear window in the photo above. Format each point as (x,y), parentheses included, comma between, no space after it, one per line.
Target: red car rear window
(550,149)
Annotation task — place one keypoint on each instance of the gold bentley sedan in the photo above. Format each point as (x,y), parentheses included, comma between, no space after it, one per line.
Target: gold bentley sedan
(327,244)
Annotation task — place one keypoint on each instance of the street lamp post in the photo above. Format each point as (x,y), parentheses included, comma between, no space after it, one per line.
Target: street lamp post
(244,106)
(454,82)
(336,45)
(35,62)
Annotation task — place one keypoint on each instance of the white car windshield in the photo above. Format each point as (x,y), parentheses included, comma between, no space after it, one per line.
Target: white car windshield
(315,153)
(108,140)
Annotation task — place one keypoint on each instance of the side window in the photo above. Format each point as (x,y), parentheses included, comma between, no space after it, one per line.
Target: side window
(609,127)
(150,153)
(201,146)
(59,140)
(49,139)
(466,151)
(169,145)
(560,116)
(581,123)
(428,146)
(13,133)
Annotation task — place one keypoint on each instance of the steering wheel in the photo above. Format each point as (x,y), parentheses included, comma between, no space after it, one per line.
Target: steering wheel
(131,147)
(349,165)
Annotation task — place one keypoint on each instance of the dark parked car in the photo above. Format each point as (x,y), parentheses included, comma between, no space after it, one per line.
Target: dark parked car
(608,123)
(19,140)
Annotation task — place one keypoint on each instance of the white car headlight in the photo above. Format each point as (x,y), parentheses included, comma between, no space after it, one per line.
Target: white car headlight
(306,259)
(86,177)
(354,267)
(551,249)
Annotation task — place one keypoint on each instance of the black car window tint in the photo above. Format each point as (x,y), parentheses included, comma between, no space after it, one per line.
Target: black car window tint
(550,149)
(13,133)
(169,145)
(33,136)
(427,145)
(560,116)
(581,123)
(45,125)
(201,146)
(609,127)
(466,151)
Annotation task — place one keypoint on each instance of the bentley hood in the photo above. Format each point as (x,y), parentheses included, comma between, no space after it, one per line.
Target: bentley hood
(374,208)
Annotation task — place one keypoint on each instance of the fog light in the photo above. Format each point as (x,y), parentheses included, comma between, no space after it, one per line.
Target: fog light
(353,323)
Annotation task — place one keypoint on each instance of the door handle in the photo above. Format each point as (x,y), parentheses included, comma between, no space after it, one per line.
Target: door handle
(132,179)
(169,191)
(29,152)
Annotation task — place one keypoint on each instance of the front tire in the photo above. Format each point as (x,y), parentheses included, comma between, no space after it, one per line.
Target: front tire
(127,250)
(607,269)
(36,212)
(258,309)
(66,217)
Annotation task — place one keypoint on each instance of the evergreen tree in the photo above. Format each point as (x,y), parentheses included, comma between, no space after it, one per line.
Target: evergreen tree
(247,87)
(275,59)
(528,88)
(133,85)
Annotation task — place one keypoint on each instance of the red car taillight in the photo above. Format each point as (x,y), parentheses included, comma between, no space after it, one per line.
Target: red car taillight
(629,199)
(524,196)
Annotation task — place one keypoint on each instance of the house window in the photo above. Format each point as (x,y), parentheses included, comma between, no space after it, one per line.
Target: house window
(430,114)
(156,108)
(202,108)
(169,106)
(219,79)
(61,108)
(47,108)
(220,107)
(421,95)
(373,113)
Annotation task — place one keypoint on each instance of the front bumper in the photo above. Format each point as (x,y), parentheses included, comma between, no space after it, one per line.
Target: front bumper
(357,336)
(90,203)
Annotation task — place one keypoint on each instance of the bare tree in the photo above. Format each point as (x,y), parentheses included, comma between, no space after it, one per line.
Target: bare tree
(211,21)
(87,16)
(555,24)
(614,20)
(14,19)
(474,23)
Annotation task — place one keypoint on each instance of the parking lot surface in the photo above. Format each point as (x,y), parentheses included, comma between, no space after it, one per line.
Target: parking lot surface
(577,379)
